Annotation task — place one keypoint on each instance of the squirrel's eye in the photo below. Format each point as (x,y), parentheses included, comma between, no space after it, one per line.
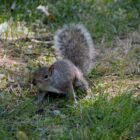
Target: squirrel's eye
(46,77)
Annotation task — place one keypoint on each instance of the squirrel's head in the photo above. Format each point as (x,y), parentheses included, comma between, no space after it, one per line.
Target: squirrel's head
(42,78)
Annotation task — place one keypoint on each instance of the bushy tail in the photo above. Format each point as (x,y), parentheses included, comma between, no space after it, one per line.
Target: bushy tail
(74,42)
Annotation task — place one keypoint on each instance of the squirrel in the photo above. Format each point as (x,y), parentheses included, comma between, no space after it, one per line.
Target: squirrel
(75,53)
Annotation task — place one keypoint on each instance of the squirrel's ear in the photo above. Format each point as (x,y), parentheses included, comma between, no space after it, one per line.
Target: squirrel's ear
(51,69)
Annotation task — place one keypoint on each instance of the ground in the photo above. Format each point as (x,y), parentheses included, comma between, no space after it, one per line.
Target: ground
(26,43)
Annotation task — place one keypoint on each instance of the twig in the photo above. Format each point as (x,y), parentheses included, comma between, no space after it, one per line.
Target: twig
(42,42)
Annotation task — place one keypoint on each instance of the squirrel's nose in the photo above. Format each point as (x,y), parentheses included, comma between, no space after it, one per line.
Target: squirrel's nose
(34,82)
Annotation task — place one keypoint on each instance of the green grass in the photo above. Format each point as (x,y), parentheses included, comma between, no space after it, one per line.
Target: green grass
(101,118)
(98,118)
(104,18)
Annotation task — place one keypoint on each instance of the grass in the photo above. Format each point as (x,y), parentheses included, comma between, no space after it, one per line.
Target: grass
(98,118)
(114,110)
(103,18)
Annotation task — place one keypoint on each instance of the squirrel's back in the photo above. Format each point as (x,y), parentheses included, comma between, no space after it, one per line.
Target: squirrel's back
(74,42)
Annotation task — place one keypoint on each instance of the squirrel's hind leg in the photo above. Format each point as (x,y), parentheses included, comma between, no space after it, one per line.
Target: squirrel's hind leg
(82,84)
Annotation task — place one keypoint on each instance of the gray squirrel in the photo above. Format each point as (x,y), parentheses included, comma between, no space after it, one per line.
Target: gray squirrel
(75,53)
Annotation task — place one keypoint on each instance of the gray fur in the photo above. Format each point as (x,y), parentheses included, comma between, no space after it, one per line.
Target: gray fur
(74,45)
(74,42)
(60,79)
